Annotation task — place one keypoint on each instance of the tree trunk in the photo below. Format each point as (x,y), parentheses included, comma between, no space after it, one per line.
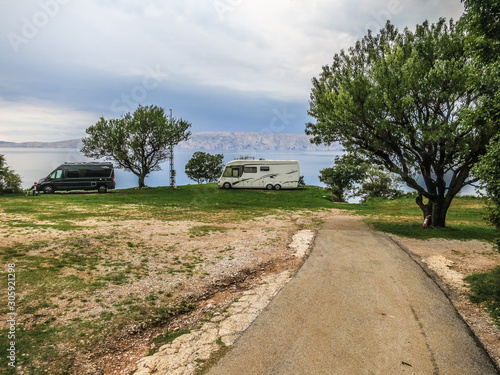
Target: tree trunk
(141,181)
(436,209)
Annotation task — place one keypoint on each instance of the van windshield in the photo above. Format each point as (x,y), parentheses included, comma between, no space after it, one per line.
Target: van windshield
(56,174)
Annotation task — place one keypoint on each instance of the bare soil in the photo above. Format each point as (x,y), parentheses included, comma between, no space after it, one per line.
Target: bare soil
(191,262)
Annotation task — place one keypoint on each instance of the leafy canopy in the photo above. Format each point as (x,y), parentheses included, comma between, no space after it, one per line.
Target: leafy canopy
(352,176)
(137,142)
(482,21)
(400,99)
(348,170)
(10,182)
(204,167)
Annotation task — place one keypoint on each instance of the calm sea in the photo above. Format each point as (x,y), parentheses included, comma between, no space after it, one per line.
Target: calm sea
(34,163)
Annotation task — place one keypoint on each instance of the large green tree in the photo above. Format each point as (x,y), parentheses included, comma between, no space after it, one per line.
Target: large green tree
(482,20)
(204,167)
(400,99)
(137,142)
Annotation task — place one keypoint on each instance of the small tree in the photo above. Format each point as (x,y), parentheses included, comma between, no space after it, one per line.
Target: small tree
(137,142)
(352,176)
(347,171)
(204,167)
(378,183)
(10,182)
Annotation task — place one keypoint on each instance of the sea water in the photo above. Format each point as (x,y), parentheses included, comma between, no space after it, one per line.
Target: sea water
(32,164)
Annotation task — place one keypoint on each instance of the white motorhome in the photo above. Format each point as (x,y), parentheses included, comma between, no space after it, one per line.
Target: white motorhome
(260,174)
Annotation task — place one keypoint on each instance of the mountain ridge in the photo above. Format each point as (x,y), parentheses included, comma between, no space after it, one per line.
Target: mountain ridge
(230,141)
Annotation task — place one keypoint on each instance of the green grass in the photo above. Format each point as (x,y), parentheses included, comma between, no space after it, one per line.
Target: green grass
(65,210)
(204,230)
(465,219)
(485,289)
(166,338)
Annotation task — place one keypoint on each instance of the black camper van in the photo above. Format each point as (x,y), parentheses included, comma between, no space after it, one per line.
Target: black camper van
(79,176)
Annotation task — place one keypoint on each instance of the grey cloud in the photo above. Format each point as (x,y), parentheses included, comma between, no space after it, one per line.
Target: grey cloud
(227,67)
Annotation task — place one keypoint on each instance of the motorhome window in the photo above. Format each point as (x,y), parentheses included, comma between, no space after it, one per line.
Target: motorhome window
(227,172)
(249,169)
(72,174)
(264,169)
(56,174)
(235,172)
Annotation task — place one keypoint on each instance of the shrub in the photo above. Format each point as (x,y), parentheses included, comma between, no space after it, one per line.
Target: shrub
(10,182)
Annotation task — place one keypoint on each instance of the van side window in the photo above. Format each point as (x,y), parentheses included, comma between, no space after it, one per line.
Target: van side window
(249,169)
(264,169)
(96,172)
(56,174)
(235,172)
(72,174)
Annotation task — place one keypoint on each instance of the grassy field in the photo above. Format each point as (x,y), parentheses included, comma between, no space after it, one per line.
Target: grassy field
(67,263)
(184,202)
(465,219)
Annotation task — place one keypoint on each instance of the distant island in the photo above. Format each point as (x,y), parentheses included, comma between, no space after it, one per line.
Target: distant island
(73,143)
(231,141)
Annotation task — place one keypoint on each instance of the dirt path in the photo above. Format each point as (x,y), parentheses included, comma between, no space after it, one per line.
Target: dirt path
(359,305)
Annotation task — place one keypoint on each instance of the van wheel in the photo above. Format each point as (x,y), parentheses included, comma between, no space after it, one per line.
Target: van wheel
(226,185)
(102,189)
(49,189)
(277,187)
(269,187)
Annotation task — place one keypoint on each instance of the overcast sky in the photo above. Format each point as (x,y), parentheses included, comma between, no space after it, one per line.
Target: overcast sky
(223,65)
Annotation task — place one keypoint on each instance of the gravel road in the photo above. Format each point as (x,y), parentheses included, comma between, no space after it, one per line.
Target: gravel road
(359,305)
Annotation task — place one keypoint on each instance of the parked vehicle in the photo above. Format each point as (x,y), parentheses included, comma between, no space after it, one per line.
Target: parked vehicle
(261,174)
(79,176)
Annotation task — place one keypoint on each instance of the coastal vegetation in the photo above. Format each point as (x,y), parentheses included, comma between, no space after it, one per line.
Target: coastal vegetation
(10,181)
(137,142)
(408,102)
(204,167)
(483,40)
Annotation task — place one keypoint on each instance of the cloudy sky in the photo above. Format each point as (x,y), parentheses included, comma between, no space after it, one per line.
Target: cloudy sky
(223,65)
